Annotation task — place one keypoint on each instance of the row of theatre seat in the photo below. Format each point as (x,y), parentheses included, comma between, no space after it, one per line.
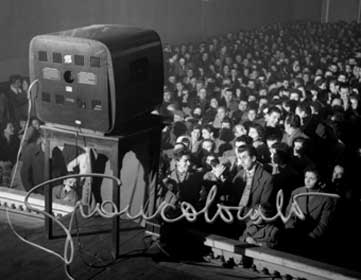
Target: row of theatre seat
(273,262)
(276,264)
(268,262)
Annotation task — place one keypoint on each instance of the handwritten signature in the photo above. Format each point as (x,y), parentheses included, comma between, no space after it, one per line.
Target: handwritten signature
(188,212)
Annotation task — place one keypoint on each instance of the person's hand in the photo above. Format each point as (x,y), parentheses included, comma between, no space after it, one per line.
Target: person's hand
(250,240)
(218,170)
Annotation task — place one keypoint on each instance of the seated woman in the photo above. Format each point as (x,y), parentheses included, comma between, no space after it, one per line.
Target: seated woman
(318,209)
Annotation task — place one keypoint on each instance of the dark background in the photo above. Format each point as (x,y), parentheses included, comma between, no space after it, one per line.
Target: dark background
(175,20)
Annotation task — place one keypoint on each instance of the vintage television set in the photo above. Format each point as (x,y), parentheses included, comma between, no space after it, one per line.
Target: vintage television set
(98,77)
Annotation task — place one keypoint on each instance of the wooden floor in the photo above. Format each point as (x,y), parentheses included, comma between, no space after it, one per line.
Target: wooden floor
(21,261)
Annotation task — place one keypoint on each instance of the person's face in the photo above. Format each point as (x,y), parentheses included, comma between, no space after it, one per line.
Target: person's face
(225,124)
(333,88)
(273,119)
(221,113)
(189,73)
(35,123)
(171,79)
(17,83)
(262,92)
(306,78)
(10,129)
(336,102)
(179,86)
(207,145)
(297,148)
(253,133)
(348,68)
(228,95)
(239,130)
(251,98)
(245,160)
(270,142)
(183,164)
(333,68)
(299,112)
(242,106)
(206,134)
(338,172)
(354,103)
(294,96)
(214,103)
(344,92)
(251,84)
(70,183)
(25,85)
(166,96)
(209,159)
(310,180)
(341,78)
(22,124)
(202,93)
(251,115)
(287,128)
(196,134)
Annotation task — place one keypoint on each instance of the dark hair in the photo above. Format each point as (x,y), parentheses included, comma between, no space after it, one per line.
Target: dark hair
(293,120)
(305,107)
(273,137)
(209,128)
(244,138)
(282,155)
(259,129)
(196,126)
(313,169)
(274,109)
(14,78)
(300,139)
(252,152)
(179,153)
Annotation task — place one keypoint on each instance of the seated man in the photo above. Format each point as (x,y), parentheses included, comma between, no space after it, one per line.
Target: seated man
(182,185)
(252,185)
(319,211)
(185,183)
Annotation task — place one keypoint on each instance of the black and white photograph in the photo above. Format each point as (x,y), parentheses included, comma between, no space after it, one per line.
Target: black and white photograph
(180,139)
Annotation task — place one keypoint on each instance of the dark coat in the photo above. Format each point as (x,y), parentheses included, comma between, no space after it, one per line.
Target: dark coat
(265,234)
(319,212)
(189,189)
(9,149)
(4,110)
(18,106)
(32,170)
(262,191)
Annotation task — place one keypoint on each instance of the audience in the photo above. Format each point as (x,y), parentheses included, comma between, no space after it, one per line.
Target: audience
(250,112)
(284,99)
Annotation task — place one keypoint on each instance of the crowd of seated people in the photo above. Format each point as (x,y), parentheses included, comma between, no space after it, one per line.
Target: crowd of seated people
(13,117)
(255,112)
(252,113)
(29,171)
